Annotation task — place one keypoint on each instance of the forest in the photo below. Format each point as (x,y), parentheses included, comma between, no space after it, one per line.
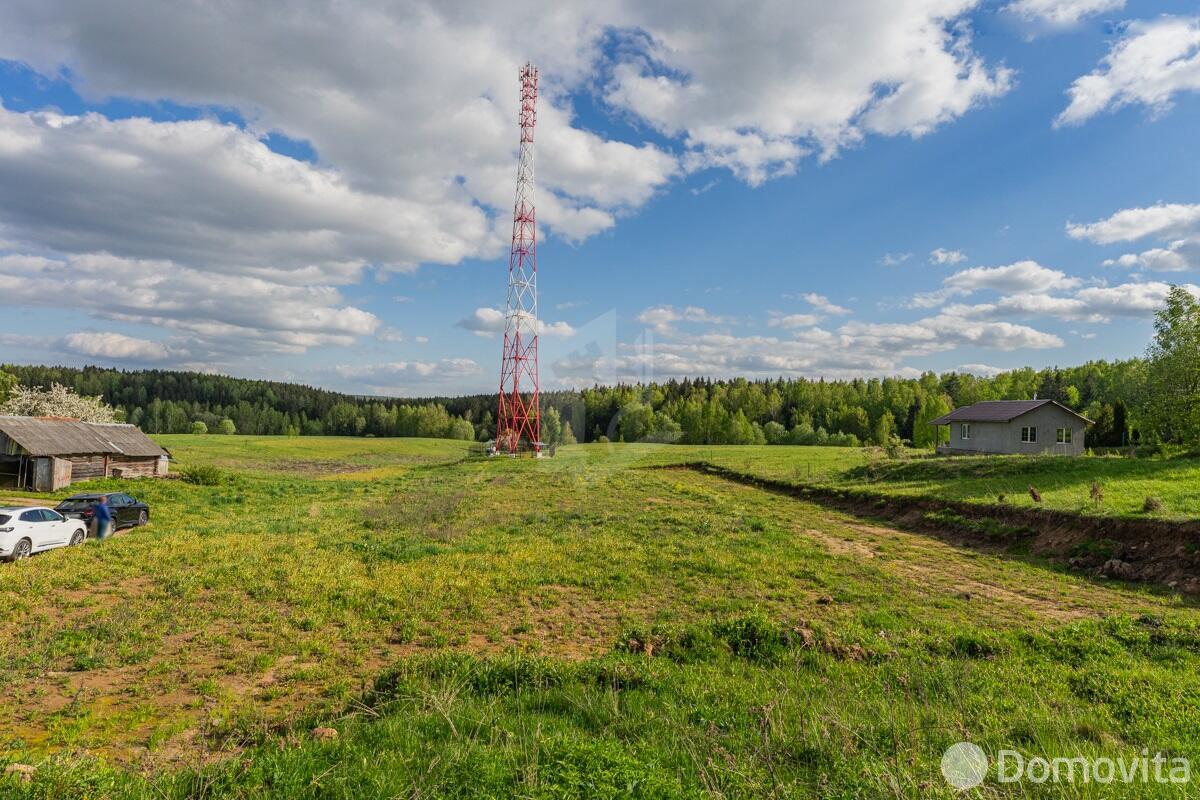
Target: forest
(695,411)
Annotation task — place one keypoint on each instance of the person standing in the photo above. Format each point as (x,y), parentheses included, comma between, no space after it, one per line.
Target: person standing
(102,515)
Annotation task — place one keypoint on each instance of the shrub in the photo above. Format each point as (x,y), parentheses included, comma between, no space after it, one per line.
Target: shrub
(199,428)
(202,475)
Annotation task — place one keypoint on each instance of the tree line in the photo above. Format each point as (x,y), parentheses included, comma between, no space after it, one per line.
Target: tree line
(1155,398)
(694,411)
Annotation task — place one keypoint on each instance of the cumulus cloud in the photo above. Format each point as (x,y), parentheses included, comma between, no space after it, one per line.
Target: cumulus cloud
(448,367)
(1091,304)
(1153,61)
(942,256)
(821,304)
(854,349)
(488,322)
(416,99)
(1023,276)
(664,318)
(1020,277)
(1176,225)
(811,77)
(407,378)
(1164,221)
(109,345)
(792,320)
(213,315)
(982,370)
(1062,12)
(485,322)
(210,195)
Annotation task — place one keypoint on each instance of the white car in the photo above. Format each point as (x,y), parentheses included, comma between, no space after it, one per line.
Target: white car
(25,530)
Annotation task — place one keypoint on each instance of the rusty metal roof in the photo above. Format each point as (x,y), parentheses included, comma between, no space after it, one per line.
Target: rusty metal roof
(998,411)
(44,436)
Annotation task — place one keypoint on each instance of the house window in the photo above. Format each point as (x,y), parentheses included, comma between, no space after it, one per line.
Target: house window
(964,431)
(1063,436)
(1029,434)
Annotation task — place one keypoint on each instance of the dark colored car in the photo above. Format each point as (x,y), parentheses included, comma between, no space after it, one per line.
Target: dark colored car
(126,510)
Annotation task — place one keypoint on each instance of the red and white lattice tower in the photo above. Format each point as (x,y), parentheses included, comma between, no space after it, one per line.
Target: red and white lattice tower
(519,419)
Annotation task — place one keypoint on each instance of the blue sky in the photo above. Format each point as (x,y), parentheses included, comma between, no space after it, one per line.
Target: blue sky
(322,194)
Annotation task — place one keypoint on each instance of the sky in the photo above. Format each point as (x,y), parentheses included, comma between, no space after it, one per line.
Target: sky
(322,192)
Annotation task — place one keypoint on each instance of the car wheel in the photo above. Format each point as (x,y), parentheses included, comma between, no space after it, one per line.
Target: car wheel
(77,537)
(22,550)
(143,518)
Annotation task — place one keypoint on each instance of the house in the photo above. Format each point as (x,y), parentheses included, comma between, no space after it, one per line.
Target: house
(1014,426)
(48,453)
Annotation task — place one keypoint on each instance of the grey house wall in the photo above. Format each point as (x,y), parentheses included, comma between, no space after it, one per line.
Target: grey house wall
(1005,437)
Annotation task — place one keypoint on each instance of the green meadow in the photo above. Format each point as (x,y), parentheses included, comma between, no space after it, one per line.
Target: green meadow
(380,618)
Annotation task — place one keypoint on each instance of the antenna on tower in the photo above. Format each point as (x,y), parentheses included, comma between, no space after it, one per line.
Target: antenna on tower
(518,418)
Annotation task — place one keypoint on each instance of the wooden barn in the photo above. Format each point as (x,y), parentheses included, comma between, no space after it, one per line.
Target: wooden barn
(47,453)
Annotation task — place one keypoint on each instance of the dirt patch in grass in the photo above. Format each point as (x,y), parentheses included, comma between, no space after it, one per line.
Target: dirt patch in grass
(840,546)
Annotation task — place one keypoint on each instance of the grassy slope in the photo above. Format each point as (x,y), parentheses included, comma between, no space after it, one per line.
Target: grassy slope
(797,651)
(1064,483)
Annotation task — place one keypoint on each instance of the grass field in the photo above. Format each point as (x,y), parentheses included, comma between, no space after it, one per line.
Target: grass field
(614,632)
(1064,483)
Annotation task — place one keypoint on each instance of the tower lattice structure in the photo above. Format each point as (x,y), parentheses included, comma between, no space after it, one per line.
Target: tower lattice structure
(518,419)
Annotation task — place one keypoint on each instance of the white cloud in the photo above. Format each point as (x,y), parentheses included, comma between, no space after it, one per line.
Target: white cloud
(560,330)
(821,303)
(446,367)
(1163,221)
(1062,12)
(663,318)
(1091,304)
(792,320)
(108,345)
(204,194)
(1017,278)
(487,322)
(1176,225)
(983,370)
(941,256)
(1152,62)
(213,315)
(946,332)
(1127,300)
(391,335)
(894,259)
(854,349)
(1178,256)
(1023,276)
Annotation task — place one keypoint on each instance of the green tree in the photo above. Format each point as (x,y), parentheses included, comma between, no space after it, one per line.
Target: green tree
(551,426)
(568,435)
(226,427)
(1173,370)
(7,384)
(460,429)
(775,433)
(924,434)
(881,431)
(199,428)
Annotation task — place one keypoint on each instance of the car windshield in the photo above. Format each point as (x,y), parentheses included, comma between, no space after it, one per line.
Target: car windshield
(78,503)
